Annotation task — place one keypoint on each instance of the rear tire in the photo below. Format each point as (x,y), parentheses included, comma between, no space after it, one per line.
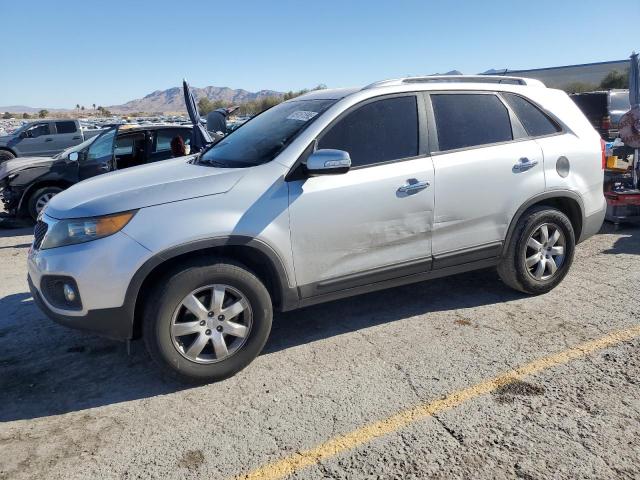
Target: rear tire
(207,346)
(39,199)
(540,252)
(6,155)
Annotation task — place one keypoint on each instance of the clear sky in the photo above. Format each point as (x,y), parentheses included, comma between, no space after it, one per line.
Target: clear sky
(59,53)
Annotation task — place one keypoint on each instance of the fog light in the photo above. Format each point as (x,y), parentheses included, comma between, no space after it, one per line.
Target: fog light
(69,293)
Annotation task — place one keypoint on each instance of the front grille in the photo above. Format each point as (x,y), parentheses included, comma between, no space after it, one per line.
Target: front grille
(39,233)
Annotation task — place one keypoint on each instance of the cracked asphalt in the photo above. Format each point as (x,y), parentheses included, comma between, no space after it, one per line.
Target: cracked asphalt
(77,406)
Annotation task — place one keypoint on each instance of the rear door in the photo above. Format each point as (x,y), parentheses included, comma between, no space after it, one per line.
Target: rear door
(67,135)
(482,175)
(161,142)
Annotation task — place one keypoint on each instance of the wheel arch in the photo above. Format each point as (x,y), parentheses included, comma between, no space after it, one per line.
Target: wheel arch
(40,184)
(256,255)
(9,149)
(568,202)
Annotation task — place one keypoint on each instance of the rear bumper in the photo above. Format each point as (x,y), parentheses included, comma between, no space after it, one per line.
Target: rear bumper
(593,223)
(114,323)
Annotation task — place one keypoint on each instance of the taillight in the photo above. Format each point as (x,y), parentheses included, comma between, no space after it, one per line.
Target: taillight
(603,149)
(606,123)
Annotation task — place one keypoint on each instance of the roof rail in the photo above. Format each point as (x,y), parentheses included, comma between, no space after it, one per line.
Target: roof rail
(458,79)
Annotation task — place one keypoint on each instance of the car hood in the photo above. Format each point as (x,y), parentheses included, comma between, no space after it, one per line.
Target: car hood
(4,139)
(11,166)
(144,186)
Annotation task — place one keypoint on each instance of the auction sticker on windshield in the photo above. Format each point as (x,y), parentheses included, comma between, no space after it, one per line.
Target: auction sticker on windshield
(302,115)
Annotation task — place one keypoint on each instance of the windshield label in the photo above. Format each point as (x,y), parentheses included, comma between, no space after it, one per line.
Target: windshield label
(302,115)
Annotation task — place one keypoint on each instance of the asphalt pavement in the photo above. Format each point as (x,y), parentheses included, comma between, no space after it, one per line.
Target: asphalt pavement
(454,378)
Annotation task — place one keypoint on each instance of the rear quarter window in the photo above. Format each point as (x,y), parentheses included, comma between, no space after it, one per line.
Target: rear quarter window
(534,121)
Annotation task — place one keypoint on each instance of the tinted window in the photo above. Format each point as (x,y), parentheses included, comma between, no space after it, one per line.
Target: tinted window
(164,137)
(66,127)
(38,130)
(263,137)
(533,120)
(124,145)
(377,132)
(466,120)
(103,146)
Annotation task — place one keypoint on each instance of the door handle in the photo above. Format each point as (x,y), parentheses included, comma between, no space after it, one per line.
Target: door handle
(76,138)
(48,139)
(524,164)
(413,186)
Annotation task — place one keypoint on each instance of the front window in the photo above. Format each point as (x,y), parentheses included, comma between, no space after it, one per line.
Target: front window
(102,147)
(261,139)
(38,130)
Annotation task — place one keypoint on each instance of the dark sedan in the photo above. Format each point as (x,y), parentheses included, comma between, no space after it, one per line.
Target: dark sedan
(27,184)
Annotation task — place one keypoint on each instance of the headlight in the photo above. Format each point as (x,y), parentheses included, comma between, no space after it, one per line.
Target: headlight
(81,230)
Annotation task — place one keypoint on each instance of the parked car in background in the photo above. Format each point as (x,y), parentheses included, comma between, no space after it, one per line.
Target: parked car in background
(27,184)
(360,189)
(43,138)
(604,109)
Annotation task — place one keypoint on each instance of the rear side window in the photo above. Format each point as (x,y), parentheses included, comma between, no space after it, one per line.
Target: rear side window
(377,132)
(66,127)
(164,137)
(534,121)
(468,120)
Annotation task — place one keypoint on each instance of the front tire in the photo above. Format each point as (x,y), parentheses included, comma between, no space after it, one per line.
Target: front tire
(540,252)
(207,321)
(6,155)
(39,199)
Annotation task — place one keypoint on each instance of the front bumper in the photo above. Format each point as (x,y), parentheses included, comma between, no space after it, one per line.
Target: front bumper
(102,270)
(114,323)
(10,198)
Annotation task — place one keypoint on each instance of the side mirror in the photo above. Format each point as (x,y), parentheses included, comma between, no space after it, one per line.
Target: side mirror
(24,134)
(73,156)
(328,162)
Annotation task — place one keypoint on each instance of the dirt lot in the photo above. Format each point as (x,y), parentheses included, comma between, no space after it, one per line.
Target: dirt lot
(414,359)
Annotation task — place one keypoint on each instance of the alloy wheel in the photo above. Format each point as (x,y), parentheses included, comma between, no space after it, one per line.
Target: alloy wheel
(545,251)
(211,323)
(43,200)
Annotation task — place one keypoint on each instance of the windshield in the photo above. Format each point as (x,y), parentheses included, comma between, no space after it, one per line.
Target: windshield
(20,129)
(261,139)
(620,101)
(76,148)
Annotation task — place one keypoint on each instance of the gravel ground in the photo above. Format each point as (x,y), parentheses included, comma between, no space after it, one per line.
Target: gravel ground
(76,406)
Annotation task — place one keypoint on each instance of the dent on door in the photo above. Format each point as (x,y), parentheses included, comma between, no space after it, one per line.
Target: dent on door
(362,221)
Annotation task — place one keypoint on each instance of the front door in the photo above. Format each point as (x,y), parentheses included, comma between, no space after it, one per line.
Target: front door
(366,225)
(37,140)
(99,157)
(482,175)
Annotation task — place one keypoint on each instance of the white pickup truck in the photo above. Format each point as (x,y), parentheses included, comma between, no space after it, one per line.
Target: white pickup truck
(43,138)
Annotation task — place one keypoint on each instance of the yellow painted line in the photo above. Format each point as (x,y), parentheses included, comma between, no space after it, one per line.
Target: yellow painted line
(367,433)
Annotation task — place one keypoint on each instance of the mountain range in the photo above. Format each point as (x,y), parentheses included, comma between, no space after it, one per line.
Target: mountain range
(170,100)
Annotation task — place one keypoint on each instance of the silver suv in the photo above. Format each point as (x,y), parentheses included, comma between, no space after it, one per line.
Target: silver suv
(332,194)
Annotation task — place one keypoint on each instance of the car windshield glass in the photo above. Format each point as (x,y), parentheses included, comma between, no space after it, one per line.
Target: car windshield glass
(20,129)
(261,139)
(620,101)
(76,148)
